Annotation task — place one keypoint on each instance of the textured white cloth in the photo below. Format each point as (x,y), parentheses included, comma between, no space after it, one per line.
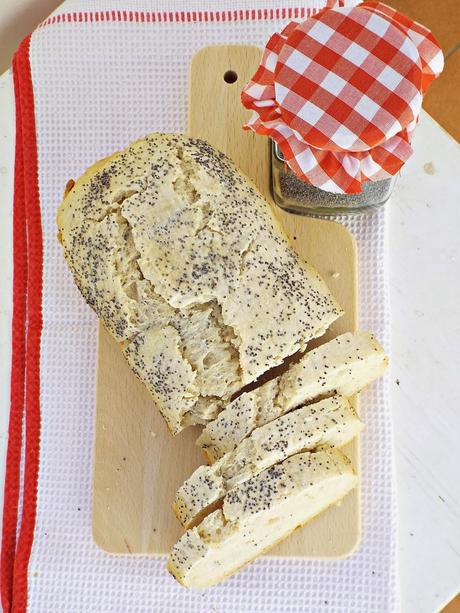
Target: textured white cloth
(97,87)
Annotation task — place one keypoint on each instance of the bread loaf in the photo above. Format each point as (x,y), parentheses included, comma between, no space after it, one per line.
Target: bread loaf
(331,422)
(258,514)
(184,263)
(344,365)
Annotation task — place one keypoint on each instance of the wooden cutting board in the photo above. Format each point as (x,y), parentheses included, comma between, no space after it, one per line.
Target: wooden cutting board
(138,465)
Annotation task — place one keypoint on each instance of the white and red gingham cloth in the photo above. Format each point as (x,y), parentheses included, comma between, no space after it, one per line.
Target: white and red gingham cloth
(342,91)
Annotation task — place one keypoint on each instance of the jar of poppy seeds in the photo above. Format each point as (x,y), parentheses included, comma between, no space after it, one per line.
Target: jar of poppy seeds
(340,95)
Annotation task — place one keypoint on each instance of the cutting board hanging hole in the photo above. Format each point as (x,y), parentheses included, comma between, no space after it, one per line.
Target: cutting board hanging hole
(230,76)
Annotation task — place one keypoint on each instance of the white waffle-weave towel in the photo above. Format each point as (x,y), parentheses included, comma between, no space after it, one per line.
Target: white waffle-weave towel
(98,85)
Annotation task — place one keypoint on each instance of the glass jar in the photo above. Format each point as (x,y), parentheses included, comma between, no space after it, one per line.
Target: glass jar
(297,196)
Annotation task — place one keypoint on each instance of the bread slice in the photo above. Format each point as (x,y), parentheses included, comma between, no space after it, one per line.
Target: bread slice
(344,365)
(260,513)
(185,264)
(332,422)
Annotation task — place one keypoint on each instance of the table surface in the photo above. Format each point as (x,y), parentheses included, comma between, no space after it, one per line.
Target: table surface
(424,251)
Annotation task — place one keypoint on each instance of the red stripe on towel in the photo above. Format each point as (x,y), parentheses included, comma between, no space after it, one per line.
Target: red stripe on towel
(13,455)
(26,124)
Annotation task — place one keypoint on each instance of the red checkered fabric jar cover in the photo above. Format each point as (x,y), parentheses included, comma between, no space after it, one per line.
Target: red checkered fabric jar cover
(341,93)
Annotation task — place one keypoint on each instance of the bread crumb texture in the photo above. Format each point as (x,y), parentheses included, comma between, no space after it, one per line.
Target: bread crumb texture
(345,365)
(258,514)
(331,422)
(182,260)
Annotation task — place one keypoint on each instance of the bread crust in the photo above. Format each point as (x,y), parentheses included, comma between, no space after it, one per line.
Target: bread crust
(170,243)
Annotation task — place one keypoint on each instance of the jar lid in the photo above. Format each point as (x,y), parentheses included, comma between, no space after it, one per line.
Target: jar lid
(341,93)
(348,79)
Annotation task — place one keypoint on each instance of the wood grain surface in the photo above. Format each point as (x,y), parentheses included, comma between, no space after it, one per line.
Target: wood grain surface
(138,465)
